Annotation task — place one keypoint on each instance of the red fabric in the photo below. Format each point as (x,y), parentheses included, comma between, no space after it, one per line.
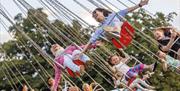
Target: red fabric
(70,72)
(131,81)
(126,37)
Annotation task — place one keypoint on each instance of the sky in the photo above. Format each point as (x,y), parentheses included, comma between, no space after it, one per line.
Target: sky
(165,6)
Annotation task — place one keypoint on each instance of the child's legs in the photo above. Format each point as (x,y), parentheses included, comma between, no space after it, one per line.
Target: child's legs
(131,74)
(133,85)
(138,68)
(138,80)
(68,62)
(141,67)
(134,71)
(84,58)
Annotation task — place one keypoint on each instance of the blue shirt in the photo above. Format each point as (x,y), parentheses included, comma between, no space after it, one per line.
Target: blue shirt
(173,63)
(111,20)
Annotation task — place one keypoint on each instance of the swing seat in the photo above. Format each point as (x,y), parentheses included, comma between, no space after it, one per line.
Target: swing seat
(71,73)
(126,36)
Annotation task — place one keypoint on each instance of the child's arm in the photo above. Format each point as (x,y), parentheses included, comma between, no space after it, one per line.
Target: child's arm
(125,54)
(114,81)
(170,44)
(173,29)
(94,45)
(82,47)
(127,57)
(57,78)
(118,75)
(110,68)
(178,33)
(89,47)
(142,3)
(164,65)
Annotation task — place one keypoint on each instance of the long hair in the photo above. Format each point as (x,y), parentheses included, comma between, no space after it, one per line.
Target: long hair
(163,29)
(104,11)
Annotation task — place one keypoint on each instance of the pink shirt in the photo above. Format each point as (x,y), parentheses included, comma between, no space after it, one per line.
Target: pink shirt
(60,60)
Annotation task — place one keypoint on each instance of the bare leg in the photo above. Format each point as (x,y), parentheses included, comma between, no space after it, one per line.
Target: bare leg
(148,67)
(115,82)
(133,85)
(143,83)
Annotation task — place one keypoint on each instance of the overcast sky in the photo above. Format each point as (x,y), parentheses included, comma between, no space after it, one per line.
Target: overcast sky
(165,6)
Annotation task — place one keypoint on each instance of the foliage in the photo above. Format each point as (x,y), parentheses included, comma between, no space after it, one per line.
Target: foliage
(35,27)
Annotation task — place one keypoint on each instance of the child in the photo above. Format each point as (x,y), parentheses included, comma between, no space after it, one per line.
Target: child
(109,21)
(118,77)
(91,87)
(169,61)
(137,83)
(65,57)
(50,83)
(87,87)
(169,41)
(120,65)
(23,87)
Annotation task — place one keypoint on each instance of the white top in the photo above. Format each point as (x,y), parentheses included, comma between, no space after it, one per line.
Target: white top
(122,67)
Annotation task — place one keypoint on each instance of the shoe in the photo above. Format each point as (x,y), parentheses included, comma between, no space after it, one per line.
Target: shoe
(89,64)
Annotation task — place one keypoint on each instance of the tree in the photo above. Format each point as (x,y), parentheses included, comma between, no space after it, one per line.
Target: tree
(35,26)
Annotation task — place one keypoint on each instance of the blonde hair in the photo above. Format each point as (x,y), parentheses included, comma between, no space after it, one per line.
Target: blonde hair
(84,85)
(162,29)
(53,48)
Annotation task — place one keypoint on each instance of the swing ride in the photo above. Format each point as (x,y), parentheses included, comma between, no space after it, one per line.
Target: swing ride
(114,36)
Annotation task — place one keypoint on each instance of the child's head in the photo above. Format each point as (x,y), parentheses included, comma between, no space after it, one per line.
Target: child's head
(86,87)
(161,54)
(158,33)
(74,88)
(55,48)
(50,81)
(99,14)
(114,59)
(23,87)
